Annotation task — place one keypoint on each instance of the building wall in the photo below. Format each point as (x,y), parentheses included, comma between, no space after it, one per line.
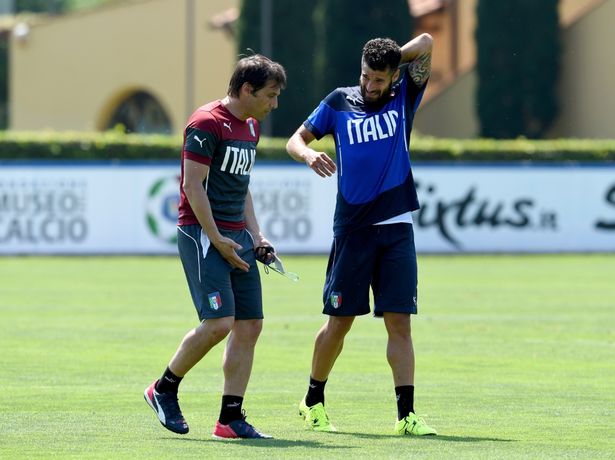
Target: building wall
(587,96)
(452,112)
(215,54)
(587,93)
(448,106)
(71,72)
(466,46)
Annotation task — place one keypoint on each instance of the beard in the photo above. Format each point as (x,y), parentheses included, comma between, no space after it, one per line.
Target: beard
(374,98)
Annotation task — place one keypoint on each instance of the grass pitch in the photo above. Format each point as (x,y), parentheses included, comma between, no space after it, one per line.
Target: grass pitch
(515,359)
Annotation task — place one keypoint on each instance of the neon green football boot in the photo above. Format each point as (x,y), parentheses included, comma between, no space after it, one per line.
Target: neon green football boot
(316,417)
(413,425)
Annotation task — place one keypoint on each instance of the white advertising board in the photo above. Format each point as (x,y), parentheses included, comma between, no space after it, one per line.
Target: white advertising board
(83,208)
(515,209)
(87,209)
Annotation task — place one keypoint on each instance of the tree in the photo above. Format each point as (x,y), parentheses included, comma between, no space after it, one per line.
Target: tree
(319,42)
(40,6)
(345,26)
(518,67)
(293,45)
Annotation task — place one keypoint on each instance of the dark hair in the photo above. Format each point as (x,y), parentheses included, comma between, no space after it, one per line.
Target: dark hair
(256,70)
(382,54)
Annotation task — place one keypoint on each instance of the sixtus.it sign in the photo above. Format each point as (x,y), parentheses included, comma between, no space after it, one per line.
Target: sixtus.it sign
(472,209)
(515,208)
(607,224)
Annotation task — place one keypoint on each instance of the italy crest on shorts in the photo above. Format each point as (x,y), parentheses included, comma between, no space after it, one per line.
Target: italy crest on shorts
(336,299)
(215,301)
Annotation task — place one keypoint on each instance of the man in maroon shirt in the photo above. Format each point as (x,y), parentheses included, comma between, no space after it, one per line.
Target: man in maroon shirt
(217,235)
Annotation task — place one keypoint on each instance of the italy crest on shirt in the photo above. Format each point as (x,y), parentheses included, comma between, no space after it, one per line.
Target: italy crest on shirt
(215,301)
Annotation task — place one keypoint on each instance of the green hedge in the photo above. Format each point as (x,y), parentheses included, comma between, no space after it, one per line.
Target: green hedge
(87,146)
(117,146)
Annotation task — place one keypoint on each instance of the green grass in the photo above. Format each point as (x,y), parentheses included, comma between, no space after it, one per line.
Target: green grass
(515,359)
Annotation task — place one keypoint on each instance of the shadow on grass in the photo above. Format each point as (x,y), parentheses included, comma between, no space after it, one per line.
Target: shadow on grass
(465,439)
(430,438)
(276,442)
(289,443)
(471,439)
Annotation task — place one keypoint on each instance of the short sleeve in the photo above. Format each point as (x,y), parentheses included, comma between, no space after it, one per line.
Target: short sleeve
(201,141)
(322,120)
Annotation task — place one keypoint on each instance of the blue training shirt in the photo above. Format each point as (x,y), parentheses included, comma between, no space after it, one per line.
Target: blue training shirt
(374,180)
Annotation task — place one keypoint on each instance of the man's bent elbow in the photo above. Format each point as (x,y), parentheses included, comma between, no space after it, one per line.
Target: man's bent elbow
(426,41)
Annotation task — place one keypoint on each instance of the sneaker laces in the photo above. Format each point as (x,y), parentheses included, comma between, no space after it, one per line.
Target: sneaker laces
(248,426)
(319,414)
(170,404)
(419,420)
(243,419)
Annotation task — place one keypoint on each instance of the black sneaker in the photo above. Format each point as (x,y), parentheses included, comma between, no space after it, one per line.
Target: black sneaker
(167,409)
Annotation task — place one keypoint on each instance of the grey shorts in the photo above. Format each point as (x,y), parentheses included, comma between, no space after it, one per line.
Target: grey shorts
(217,289)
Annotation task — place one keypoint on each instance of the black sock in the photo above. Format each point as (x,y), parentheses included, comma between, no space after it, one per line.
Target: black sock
(168,382)
(316,393)
(405,400)
(231,409)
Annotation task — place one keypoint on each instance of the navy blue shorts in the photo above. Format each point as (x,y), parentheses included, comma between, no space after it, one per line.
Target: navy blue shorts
(217,289)
(380,256)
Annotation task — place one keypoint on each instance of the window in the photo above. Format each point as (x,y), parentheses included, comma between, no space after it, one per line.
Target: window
(141,113)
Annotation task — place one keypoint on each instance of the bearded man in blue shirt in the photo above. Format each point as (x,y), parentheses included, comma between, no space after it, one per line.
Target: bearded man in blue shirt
(373,242)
